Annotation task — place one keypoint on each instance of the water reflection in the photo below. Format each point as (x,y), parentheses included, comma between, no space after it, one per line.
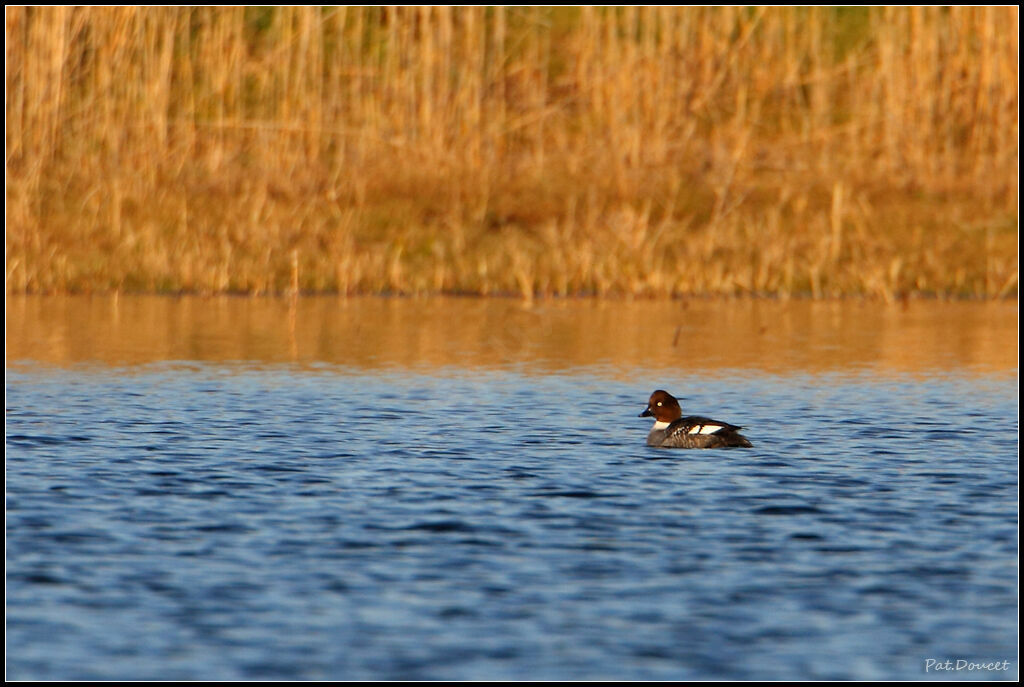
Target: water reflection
(693,335)
(388,519)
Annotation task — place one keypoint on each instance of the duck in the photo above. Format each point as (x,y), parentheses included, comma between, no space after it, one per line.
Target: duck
(672,430)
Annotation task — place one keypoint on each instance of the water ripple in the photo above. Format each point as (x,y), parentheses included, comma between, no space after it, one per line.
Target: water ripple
(208,523)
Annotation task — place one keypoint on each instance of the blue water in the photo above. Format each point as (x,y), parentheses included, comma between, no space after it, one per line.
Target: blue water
(192,521)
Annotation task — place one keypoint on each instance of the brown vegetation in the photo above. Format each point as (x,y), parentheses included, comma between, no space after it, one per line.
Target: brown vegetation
(642,151)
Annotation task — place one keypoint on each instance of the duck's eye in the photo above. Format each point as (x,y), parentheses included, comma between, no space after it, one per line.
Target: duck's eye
(659,403)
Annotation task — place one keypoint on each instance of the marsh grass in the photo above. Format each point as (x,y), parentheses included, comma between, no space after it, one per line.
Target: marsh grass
(533,151)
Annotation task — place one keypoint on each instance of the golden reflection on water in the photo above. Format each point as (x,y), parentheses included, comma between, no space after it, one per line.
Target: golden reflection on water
(687,337)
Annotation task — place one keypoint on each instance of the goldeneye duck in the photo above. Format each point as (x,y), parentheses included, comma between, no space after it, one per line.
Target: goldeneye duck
(672,430)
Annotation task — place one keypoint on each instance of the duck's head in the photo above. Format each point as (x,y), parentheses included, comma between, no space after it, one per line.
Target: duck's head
(663,406)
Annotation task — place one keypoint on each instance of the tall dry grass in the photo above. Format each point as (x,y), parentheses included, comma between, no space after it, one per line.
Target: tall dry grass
(645,151)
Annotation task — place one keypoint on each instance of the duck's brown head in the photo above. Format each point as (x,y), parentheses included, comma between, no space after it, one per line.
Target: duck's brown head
(663,406)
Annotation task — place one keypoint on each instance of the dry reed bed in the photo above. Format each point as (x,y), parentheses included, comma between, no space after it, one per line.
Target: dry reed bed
(643,151)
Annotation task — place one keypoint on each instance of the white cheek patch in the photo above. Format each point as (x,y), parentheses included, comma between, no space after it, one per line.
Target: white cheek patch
(704,429)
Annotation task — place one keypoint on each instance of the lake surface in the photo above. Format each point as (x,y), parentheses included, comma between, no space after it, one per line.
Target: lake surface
(458,489)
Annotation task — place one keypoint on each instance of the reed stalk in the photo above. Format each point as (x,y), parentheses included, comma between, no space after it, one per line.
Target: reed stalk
(644,151)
